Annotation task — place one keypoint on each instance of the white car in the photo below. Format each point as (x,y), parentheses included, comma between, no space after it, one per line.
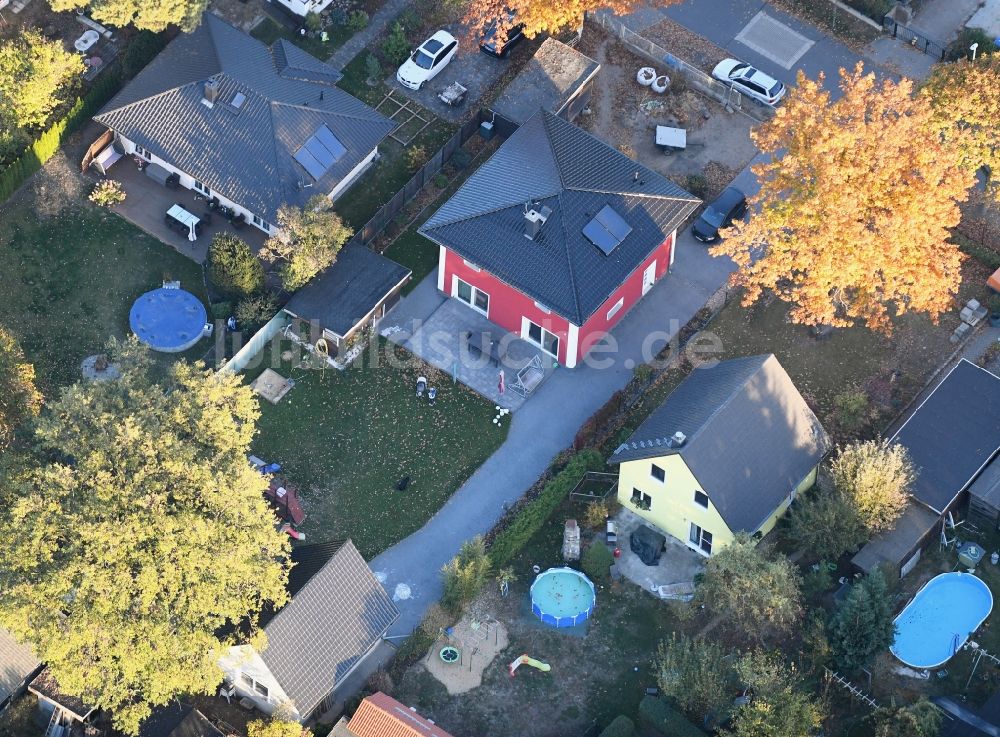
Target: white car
(750,81)
(428,60)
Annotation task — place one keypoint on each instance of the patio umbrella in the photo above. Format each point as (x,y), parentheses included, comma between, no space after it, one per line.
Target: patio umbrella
(500,383)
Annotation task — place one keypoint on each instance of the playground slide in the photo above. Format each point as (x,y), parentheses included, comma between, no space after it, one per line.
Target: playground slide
(525,660)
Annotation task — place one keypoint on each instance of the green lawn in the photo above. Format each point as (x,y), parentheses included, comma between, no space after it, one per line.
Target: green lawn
(69,280)
(346,438)
(414,252)
(268,31)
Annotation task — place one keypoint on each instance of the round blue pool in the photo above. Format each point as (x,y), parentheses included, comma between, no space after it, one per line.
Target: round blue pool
(168,320)
(940,619)
(562,597)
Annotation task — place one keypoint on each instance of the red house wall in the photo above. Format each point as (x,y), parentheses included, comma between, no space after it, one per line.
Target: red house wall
(507,304)
(631,290)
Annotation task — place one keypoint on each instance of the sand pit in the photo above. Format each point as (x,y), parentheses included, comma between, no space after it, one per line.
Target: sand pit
(478,643)
(272,386)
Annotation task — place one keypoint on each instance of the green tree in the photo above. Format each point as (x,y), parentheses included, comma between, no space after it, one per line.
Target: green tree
(755,594)
(919,719)
(825,524)
(19,399)
(696,675)
(465,574)
(251,313)
(122,566)
(396,46)
(36,76)
(276,728)
(307,240)
(876,476)
(596,561)
(232,267)
(152,15)
(862,626)
(779,706)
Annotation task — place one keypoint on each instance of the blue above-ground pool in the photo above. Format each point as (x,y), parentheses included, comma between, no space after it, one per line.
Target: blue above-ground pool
(168,320)
(940,619)
(562,597)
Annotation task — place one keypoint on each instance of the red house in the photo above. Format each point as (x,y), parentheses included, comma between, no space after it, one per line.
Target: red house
(557,236)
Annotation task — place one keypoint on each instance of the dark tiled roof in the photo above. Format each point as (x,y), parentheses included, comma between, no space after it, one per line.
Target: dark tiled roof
(953,434)
(550,162)
(750,436)
(244,154)
(553,75)
(17,662)
(337,613)
(347,291)
(177,720)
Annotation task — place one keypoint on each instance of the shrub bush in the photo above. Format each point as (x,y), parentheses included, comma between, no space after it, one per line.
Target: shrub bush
(596,561)
(959,48)
(373,70)
(415,157)
(621,726)
(460,159)
(852,409)
(697,184)
(357,20)
(222,310)
(107,192)
(313,21)
(657,714)
(255,310)
(440,181)
(410,20)
(465,574)
(537,512)
(596,515)
(233,268)
(396,46)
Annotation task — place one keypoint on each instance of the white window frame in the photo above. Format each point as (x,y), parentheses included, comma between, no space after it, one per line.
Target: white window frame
(651,272)
(142,152)
(697,546)
(261,222)
(203,188)
(255,686)
(454,293)
(526,334)
(699,504)
(616,309)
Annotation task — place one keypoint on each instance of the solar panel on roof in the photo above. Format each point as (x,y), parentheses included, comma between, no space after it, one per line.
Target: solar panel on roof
(320,151)
(607,230)
(309,163)
(613,223)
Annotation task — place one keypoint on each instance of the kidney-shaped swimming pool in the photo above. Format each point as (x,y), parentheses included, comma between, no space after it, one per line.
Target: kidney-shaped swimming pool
(940,619)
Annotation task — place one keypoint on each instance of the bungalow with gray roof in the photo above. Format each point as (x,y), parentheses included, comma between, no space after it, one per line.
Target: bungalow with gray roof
(251,126)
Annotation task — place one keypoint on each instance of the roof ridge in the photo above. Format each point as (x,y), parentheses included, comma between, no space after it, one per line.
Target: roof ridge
(569,261)
(153,97)
(650,195)
(298,106)
(488,212)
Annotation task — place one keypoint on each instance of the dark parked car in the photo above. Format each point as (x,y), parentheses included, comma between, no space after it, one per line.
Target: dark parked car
(489,43)
(728,206)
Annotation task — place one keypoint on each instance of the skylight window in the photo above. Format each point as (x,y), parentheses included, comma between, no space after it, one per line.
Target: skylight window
(607,230)
(238,99)
(320,151)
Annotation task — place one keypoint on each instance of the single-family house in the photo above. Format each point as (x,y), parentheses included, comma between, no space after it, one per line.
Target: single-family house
(18,665)
(557,236)
(726,452)
(253,127)
(558,78)
(347,297)
(953,439)
(380,715)
(304,7)
(337,614)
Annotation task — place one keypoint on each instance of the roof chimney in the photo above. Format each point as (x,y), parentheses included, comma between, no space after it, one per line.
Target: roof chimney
(534,220)
(677,439)
(211,91)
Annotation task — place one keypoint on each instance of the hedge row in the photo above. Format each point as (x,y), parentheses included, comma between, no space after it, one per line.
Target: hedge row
(536,513)
(140,52)
(981,253)
(658,715)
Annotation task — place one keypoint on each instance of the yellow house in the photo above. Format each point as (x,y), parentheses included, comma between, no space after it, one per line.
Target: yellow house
(726,452)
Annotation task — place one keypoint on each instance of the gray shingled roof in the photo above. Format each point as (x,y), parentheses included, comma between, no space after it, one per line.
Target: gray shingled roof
(337,613)
(348,290)
(17,662)
(953,434)
(750,436)
(245,154)
(550,162)
(550,78)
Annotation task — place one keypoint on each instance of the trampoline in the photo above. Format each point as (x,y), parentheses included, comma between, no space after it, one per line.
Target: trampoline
(562,597)
(168,320)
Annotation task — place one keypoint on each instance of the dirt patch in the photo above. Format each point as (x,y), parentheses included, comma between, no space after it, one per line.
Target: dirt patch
(625,113)
(686,45)
(241,13)
(478,639)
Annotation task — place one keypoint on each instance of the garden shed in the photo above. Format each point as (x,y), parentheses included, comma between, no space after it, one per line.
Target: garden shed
(558,79)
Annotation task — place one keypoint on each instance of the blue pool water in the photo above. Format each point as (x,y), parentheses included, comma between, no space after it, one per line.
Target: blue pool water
(940,618)
(562,597)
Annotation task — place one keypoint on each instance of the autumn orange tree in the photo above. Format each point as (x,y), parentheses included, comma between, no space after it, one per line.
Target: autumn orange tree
(541,16)
(965,99)
(857,198)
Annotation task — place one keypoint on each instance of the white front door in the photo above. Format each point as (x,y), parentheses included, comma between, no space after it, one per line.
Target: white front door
(648,277)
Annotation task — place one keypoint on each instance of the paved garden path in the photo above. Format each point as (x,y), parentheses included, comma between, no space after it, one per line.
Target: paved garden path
(376,24)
